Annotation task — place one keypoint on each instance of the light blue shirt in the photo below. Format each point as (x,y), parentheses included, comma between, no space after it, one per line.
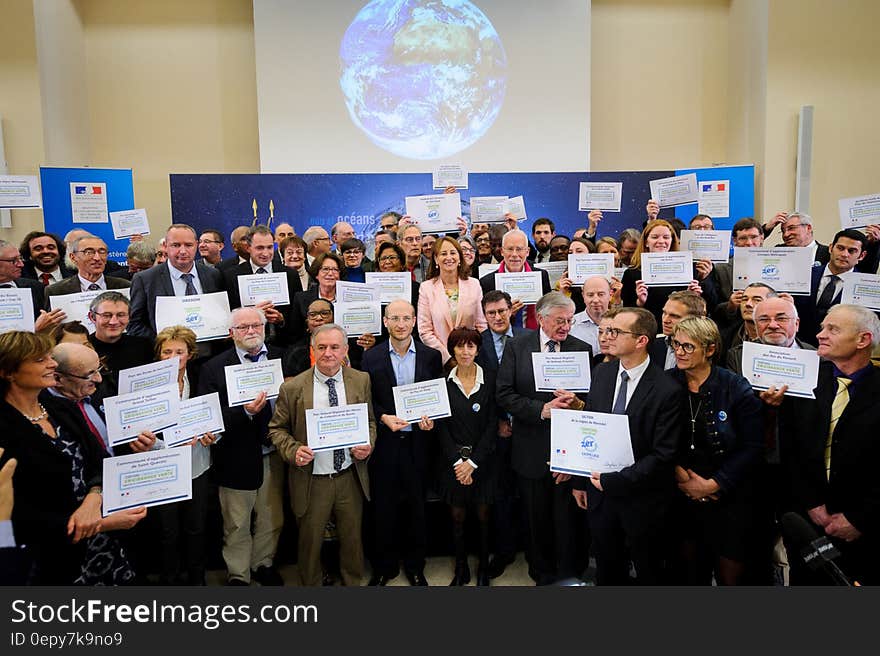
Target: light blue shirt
(7,538)
(179,284)
(499,347)
(404,368)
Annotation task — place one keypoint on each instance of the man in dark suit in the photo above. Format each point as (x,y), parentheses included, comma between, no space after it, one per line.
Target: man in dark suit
(797,230)
(826,285)
(10,276)
(552,516)
(833,448)
(261,244)
(14,562)
(110,312)
(398,466)
(43,255)
(245,464)
(515,249)
(496,309)
(90,255)
(680,305)
(240,246)
(180,275)
(628,509)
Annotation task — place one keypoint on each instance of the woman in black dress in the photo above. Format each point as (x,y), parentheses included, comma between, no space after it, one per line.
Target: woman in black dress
(467,440)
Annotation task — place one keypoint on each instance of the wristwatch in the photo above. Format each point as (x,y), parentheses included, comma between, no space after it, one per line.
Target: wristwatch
(465,452)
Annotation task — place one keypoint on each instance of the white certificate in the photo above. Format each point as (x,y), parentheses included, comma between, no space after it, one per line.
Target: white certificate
(392,286)
(88,202)
(153,478)
(677,190)
(258,287)
(584,443)
(360,318)
(19,191)
(435,213)
(76,306)
(766,366)
(129,222)
(714,198)
(860,211)
(600,196)
(525,286)
(149,376)
(358,292)
(861,289)
(244,382)
(450,175)
(561,370)
(198,416)
(516,207)
(128,415)
(487,209)
(338,428)
(667,269)
(207,315)
(16,309)
(586,265)
(428,398)
(711,245)
(784,269)
(555,270)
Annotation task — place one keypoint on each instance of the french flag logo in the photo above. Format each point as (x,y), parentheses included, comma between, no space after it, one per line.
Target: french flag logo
(715,186)
(80,190)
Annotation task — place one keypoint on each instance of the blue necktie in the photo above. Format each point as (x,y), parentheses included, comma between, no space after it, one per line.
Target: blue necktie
(190,287)
(551,346)
(338,454)
(261,270)
(620,402)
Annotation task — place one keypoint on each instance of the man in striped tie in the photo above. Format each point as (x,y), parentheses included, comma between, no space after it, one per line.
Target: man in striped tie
(833,449)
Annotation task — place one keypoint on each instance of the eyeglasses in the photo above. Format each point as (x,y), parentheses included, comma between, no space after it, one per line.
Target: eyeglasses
(684,346)
(482,240)
(293,253)
(243,328)
(516,249)
(100,370)
(499,312)
(329,270)
(614,333)
(389,258)
(396,319)
(788,227)
(353,251)
(12,260)
(209,241)
(467,249)
(314,314)
(562,321)
(781,319)
(107,316)
(91,252)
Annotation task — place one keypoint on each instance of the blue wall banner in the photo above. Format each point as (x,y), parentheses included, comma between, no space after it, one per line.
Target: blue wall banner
(57,212)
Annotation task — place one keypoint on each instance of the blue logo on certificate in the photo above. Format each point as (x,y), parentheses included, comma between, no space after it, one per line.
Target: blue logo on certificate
(770,271)
(588,441)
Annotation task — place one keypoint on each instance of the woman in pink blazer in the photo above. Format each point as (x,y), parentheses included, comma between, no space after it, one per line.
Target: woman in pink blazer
(448,298)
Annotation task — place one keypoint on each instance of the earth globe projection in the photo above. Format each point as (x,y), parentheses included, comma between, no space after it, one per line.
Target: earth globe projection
(423,79)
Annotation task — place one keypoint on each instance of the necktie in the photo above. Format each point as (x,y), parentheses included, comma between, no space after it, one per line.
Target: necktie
(824,301)
(551,346)
(261,270)
(620,402)
(94,429)
(93,287)
(837,408)
(265,415)
(46,279)
(338,454)
(190,287)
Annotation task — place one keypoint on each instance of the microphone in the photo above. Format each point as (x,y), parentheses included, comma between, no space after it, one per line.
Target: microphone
(816,550)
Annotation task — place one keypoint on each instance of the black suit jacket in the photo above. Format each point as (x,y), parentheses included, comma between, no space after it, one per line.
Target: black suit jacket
(72,286)
(377,363)
(642,491)
(515,393)
(156,281)
(810,316)
(282,335)
(237,458)
(30,271)
(487,358)
(227,263)
(657,351)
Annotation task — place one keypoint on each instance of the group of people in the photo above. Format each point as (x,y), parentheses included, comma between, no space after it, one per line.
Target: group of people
(716,464)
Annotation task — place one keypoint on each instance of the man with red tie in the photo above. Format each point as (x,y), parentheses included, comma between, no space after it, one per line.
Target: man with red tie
(43,256)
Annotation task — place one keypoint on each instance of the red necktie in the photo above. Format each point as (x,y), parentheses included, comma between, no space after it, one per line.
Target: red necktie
(81,405)
(46,278)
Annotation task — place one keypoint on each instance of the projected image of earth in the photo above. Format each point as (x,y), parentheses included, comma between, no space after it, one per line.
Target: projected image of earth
(424,79)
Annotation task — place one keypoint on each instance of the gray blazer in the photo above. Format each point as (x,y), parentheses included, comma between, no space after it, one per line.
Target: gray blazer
(72,286)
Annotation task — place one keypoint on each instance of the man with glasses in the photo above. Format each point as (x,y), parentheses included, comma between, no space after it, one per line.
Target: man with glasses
(797,231)
(680,305)
(262,249)
(746,233)
(318,242)
(300,355)
(110,312)
(628,509)
(180,275)
(245,463)
(515,250)
(555,548)
(211,246)
(43,255)
(496,308)
(745,329)
(11,264)
(409,238)
(90,255)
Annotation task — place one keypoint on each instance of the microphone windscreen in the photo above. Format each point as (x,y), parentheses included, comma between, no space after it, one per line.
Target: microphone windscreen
(798,530)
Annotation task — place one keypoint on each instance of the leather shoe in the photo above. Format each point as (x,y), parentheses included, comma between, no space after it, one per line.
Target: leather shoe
(482,576)
(237,582)
(462,574)
(498,564)
(267,575)
(416,578)
(381,579)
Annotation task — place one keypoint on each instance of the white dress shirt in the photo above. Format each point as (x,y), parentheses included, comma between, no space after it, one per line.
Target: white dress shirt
(635,375)
(85,284)
(179,285)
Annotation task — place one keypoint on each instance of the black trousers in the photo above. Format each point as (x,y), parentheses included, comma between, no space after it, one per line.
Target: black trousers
(504,516)
(182,536)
